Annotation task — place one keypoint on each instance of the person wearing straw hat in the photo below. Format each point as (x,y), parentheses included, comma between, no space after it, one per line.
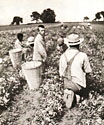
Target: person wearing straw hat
(30,41)
(73,67)
(30,45)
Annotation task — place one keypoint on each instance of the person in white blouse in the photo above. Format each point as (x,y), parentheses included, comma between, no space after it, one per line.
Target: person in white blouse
(73,67)
(18,42)
(19,45)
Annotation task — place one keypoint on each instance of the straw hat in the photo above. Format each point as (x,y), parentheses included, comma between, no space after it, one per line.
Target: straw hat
(30,40)
(73,39)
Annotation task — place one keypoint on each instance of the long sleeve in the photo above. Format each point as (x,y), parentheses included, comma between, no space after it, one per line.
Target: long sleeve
(42,51)
(39,53)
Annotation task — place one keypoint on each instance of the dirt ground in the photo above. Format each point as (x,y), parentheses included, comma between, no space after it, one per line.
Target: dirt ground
(23,109)
(24,106)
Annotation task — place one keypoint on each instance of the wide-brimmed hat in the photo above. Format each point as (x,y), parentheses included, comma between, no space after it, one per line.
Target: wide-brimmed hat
(73,39)
(30,40)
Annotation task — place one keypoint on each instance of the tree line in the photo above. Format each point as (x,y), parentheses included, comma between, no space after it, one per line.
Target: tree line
(98,16)
(47,16)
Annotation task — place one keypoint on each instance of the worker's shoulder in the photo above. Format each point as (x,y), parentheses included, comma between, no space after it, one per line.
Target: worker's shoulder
(83,55)
(38,36)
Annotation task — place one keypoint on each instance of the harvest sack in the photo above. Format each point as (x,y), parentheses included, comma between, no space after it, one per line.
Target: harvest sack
(16,57)
(32,71)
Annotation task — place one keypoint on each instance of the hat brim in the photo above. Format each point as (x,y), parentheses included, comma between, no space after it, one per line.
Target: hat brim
(66,41)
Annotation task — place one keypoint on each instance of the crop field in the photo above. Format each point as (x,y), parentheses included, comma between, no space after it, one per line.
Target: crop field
(19,105)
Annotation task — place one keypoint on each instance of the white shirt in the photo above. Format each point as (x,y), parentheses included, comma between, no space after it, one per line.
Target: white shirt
(18,44)
(39,53)
(77,72)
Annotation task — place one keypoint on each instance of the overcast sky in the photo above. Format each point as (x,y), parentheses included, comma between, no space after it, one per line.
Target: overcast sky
(65,10)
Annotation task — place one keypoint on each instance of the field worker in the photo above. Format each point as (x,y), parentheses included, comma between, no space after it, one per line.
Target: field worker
(39,52)
(89,25)
(18,42)
(61,45)
(19,45)
(73,67)
(30,45)
(61,42)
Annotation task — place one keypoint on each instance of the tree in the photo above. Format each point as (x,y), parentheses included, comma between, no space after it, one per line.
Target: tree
(102,13)
(17,20)
(48,16)
(86,18)
(35,16)
(97,16)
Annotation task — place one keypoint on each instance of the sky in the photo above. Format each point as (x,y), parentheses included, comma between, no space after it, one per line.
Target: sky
(65,10)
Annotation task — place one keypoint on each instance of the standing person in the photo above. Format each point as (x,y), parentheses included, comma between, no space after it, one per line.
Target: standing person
(39,52)
(73,67)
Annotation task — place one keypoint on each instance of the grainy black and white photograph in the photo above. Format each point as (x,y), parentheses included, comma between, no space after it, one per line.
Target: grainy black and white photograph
(52,62)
